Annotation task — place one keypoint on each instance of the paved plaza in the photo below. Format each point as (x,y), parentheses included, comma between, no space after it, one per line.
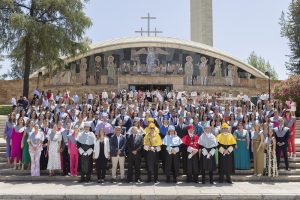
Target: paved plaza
(74,190)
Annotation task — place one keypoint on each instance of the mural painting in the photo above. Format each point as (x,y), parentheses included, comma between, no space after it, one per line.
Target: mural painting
(104,68)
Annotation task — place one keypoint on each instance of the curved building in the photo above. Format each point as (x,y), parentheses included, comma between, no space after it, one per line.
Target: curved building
(154,63)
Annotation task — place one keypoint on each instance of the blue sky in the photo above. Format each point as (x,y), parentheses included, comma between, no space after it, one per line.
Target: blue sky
(239,27)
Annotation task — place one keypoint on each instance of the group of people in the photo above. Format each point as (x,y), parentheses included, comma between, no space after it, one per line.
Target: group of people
(170,132)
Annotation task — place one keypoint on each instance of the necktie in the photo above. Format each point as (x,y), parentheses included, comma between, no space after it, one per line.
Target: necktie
(180,126)
(45,131)
(122,117)
(173,121)
(134,137)
(232,109)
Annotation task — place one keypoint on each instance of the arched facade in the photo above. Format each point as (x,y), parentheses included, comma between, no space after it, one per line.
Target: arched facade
(127,62)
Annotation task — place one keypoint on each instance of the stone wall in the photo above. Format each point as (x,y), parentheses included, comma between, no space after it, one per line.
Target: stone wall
(176,81)
(10,87)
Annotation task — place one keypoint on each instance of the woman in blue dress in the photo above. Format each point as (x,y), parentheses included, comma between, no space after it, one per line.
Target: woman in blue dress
(10,124)
(241,150)
(248,126)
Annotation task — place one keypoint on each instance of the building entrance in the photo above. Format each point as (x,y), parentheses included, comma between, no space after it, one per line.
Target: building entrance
(150,87)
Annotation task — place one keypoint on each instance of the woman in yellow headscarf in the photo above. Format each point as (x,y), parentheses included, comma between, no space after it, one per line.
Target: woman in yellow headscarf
(226,157)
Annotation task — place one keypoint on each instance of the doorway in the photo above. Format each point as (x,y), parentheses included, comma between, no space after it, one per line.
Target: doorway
(150,87)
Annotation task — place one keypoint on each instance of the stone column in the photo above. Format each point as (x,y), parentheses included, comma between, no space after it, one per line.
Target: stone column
(201,21)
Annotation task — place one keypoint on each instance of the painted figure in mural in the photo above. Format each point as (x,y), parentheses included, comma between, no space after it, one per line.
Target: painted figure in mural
(111,70)
(150,60)
(139,66)
(67,76)
(235,76)
(229,78)
(217,72)
(189,70)
(98,69)
(56,79)
(83,67)
(203,70)
(73,73)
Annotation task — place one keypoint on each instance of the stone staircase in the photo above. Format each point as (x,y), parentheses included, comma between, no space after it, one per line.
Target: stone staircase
(8,174)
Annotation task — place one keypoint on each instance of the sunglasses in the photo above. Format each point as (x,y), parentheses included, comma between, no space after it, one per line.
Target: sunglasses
(152,128)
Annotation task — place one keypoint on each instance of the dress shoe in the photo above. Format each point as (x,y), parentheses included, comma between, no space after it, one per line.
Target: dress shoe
(112,180)
(156,182)
(188,181)
(129,181)
(203,182)
(123,180)
(175,181)
(81,181)
(196,181)
(229,181)
(63,174)
(211,182)
(148,181)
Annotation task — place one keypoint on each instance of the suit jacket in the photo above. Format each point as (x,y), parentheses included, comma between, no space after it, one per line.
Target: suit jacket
(114,145)
(45,135)
(188,108)
(126,122)
(176,121)
(138,146)
(63,116)
(284,138)
(64,138)
(181,132)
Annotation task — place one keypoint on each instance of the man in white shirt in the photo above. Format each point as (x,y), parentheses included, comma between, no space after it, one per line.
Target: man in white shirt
(246,97)
(75,97)
(104,95)
(194,97)
(45,102)
(36,92)
(113,95)
(262,96)
(13,101)
(90,98)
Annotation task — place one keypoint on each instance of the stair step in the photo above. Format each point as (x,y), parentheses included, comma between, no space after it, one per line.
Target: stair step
(295,165)
(12,172)
(182,178)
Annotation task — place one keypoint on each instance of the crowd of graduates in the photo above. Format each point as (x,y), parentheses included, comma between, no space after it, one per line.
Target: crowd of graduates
(174,131)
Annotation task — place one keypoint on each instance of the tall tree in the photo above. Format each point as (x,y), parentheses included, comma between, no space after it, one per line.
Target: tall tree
(3,76)
(290,29)
(259,63)
(38,33)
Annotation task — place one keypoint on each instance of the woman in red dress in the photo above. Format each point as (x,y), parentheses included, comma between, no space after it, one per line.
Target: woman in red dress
(290,122)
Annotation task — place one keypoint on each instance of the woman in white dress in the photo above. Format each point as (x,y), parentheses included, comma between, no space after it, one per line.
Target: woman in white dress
(54,150)
(293,107)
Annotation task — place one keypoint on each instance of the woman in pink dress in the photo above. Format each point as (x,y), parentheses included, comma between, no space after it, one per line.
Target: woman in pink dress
(15,141)
(73,151)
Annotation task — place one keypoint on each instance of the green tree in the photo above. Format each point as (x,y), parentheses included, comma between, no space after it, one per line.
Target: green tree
(259,63)
(3,76)
(290,29)
(38,33)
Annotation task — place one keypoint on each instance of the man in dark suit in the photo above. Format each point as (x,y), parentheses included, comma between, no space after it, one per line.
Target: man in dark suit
(44,157)
(181,130)
(64,149)
(282,135)
(118,144)
(125,119)
(134,146)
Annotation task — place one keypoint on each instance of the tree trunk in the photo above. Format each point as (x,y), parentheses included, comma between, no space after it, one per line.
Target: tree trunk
(27,67)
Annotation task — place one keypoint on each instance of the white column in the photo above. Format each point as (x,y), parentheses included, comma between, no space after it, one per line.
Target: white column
(201,21)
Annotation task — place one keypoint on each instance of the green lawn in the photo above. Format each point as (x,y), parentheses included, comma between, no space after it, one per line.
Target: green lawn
(5,110)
